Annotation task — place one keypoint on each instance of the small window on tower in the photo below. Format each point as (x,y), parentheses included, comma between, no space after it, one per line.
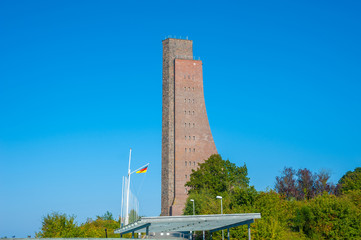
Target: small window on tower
(185,88)
(194,124)
(194,137)
(189,124)
(189,112)
(190,163)
(185,124)
(189,100)
(185,137)
(189,88)
(193,89)
(184,76)
(190,150)
(185,163)
(189,76)
(193,113)
(186,176)
(185,100)
(194,149)
(185,112)
(194,163)
(185,149)
(193,100)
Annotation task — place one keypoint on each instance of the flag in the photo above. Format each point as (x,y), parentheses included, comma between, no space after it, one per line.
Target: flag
(143,170)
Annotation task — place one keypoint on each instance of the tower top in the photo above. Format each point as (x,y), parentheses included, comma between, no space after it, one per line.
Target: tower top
(177,38)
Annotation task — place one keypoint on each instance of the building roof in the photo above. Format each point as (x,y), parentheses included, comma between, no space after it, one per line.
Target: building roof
(189,223)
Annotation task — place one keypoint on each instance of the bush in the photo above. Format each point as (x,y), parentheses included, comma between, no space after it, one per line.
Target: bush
(329,217)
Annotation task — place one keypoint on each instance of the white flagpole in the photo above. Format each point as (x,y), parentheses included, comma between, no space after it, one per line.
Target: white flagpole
(127,209)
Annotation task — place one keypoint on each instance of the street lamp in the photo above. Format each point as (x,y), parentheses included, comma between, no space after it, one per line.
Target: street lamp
(194,213)
(219,197)
(192,200)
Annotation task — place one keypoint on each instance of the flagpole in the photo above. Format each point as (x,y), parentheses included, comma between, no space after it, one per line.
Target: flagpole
(127,212)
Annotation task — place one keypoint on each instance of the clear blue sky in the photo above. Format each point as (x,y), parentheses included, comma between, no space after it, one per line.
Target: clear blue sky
(81,82)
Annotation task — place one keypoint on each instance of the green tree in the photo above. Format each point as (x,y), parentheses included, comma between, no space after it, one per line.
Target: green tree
(106,216)
(133,216)
(96,229)
(350,181)
(354,196)
(204,203)
(277,216)
(244,196)
(56,225)
(217,176)
(329,217)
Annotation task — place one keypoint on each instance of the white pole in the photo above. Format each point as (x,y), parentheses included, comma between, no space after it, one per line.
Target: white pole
(127,212)
(222,214)
(192,200)
(221,207)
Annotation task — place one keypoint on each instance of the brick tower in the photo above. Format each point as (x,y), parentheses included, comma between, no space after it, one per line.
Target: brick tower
(186,136)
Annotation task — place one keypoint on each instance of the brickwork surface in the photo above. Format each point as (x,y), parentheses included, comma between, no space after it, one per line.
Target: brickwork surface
(186,136)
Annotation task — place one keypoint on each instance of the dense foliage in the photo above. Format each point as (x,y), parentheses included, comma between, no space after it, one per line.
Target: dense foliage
(305,208)
(56,225)
(218,176)
(350,181)
(329,217)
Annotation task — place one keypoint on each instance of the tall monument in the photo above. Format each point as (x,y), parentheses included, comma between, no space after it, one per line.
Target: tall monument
(186,136)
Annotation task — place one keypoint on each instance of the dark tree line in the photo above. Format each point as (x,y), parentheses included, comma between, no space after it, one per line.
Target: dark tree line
(303,184)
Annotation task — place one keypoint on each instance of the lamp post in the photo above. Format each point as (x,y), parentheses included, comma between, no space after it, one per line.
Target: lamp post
(194,213)
(192,200)
(219,197)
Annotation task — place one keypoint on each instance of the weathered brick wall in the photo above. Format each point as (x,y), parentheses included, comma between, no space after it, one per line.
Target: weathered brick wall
(171,49)
(186,136)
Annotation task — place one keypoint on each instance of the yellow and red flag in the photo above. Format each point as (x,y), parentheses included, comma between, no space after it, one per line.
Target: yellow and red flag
(143,170)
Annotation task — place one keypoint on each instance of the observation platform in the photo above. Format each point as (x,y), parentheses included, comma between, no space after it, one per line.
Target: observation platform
(190,223)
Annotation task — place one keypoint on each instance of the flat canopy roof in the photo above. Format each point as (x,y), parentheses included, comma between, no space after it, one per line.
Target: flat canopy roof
(189,223)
